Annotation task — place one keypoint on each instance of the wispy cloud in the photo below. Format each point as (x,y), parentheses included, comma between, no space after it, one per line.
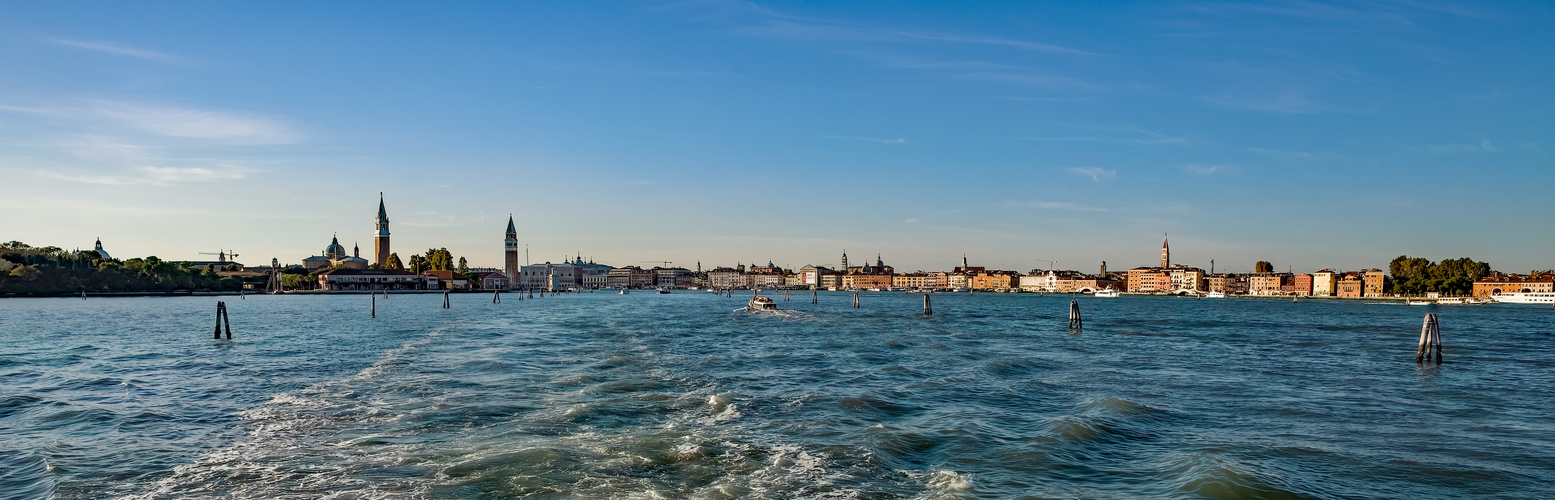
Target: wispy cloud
(116,49)
(1124,134)
(1053,205)
(1280,153)
(250,128)
(1209,169)
(876,140)
(171,121)
(1095,173)
(152,175)
(1292,101)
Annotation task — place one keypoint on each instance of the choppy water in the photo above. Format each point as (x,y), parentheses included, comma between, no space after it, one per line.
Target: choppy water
(679,396)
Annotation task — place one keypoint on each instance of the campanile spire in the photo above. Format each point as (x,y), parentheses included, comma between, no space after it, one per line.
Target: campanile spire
(381,238)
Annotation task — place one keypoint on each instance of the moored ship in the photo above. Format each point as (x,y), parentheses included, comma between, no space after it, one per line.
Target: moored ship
(1525,298)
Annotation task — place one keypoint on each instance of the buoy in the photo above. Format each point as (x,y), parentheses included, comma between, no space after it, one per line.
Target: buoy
(1074,314)
(1430,340)
(927,310)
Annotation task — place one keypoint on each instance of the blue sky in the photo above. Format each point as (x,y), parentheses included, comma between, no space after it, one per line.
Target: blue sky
(1308,134)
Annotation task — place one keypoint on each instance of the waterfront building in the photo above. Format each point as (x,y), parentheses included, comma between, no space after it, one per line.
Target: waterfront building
(591,275)
(726,278)
(1374,280)
(1148,280)
(449,280)
(510,252)
(335,255)
(1302,284)
(1087,284)
(373,279)
(381,238)
(489,280)
(672,277)
(1268,283)
(548,276)
(1185,278)
(958,280)
(865,281)
(1350,285)
(810,275)
(1497,283)
(996,280)
(1227,283)
(1325,283)
(832,280)
(620,277)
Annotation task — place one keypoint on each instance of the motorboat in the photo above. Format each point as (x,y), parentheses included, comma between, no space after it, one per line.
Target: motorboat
(664,290)
(1408,302)
(1109,293)
(1524,298)
(761,303)
(623,291)
(1215,295)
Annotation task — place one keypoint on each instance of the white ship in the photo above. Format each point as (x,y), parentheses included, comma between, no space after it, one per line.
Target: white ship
(1109,292)
(761,303)
(1525,298)
(1215,295)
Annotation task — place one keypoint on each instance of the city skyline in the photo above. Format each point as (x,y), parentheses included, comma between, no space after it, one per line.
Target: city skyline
(1305,134)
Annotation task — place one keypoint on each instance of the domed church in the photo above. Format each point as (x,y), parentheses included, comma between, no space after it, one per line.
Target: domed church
(335,255)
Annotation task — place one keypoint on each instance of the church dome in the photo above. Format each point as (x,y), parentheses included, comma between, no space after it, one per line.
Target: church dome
(334,251)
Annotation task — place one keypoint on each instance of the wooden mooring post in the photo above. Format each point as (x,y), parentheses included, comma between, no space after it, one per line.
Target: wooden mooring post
(446,304)
(496,297)
(855,299)
(375,305)
(927,309)
(1074,314)
(1430,340)
(221,317)
(785,295)
(815,297)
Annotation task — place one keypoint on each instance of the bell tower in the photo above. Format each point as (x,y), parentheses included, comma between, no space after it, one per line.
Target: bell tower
(381,238)
(1166,253)
(510,253)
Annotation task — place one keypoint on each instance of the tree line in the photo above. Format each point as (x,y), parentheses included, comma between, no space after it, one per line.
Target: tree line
(1417,275)
(29,270)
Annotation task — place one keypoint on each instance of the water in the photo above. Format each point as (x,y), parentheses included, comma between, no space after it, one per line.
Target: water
(680,396)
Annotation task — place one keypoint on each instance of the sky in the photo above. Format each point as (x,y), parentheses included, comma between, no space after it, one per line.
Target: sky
(1308,134)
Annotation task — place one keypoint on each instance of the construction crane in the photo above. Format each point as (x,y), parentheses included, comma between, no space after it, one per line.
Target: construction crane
(665,262)
(222,256)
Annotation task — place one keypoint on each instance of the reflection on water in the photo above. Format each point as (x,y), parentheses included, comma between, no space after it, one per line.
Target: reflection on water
(681,395)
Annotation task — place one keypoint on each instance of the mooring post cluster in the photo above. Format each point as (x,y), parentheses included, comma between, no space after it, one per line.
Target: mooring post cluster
(1074,314)
(1430,340)
(221,317)
(855,299)
(927,310)
(446,304)
(496,297)
(815,297)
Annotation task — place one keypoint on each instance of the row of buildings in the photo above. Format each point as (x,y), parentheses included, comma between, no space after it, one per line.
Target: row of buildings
(352,272)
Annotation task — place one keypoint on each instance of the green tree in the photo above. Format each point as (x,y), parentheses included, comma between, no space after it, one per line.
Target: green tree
(464,267)
(417,264)
(1263,266)
(439,259)
(394,263)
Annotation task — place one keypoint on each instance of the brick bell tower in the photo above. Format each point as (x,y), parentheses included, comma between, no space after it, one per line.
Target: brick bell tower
(510,253)
(381,239)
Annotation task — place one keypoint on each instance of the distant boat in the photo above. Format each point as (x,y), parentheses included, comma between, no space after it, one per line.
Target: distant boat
(1108,293)
(1525,298)
(761,303)
(1215,295)
(662,290)
(623,291)
(1418,303)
